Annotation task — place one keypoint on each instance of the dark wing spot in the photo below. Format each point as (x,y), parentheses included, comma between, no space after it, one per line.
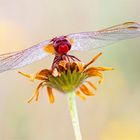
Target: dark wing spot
(129,23)
(132,28)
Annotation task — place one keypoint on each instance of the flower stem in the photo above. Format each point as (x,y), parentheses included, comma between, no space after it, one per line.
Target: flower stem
(74,115)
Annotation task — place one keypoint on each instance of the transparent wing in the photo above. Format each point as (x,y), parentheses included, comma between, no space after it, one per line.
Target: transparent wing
(19,59)
(82,41)
(92,40)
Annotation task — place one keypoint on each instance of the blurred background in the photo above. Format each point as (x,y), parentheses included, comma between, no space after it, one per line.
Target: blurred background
(113,114)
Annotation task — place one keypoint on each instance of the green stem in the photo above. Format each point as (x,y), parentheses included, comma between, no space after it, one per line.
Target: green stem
(74,115)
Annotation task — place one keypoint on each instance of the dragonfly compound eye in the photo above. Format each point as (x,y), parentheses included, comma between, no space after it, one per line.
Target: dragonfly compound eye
(62,46)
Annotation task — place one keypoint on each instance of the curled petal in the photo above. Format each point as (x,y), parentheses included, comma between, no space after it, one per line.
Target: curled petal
(85,90)
(36,95)
(100,75)
(93,72)
(50,94)
(78,93)
(92,85)
(43,74)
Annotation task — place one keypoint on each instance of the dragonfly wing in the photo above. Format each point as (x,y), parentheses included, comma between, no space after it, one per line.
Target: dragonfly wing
(92,40)
(22,58)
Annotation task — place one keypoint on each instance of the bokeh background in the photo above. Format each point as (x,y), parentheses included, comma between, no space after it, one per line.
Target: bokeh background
(113,114)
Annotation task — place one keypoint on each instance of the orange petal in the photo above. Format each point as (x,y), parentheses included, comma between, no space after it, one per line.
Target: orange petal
(80,66)
(40,77)
(36,93)
(43,74)
(63,64)
(93,72)
(93,60)
(98,74)
(89,71)
(29,101)
(85,90)
(24,74)
(50,93)
(102,68)
(78,93)
(92,85)
(37,90)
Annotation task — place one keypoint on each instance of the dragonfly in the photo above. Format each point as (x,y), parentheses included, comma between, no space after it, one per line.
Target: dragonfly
(60,46)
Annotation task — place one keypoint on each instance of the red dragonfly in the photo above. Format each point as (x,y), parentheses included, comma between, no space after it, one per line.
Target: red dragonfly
(60,46)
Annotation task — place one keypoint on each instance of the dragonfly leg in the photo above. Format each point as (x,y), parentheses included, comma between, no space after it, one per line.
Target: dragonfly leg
(66,58)
(55,61)
(73,57)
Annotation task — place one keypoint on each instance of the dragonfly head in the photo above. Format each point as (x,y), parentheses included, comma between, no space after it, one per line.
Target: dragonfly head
(61,45)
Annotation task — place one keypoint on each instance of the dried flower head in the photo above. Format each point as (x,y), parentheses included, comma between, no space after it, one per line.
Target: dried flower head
(68,76)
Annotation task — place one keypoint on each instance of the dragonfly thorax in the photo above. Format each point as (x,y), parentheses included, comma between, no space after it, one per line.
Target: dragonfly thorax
(61,45)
